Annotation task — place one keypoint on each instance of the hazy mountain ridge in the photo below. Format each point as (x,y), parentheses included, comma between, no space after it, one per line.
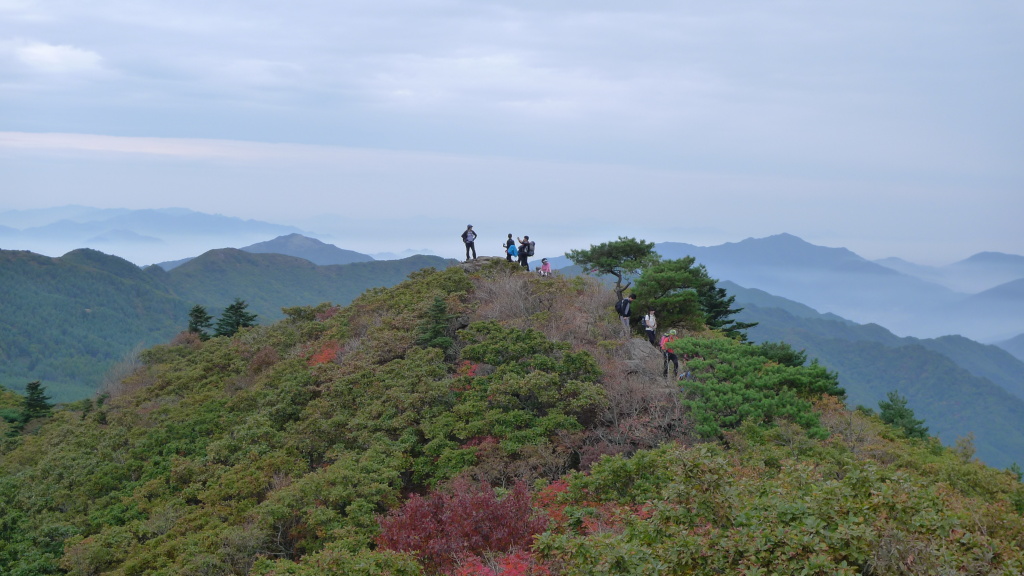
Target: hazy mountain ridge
(957,385)
(311,249)
(1014,346)
(141,236)
(65,320)
(971,275)
(837,280)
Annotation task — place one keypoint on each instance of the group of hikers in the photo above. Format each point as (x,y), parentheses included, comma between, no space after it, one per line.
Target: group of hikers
(521,253)
(649,323)
(526,248)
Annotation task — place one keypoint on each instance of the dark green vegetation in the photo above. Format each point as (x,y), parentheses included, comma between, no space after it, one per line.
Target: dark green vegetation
(623,259)
(683,294)
(955,385)
(65,321)
(444,425)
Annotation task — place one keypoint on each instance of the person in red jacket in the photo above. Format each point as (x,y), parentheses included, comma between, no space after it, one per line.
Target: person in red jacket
(669,355)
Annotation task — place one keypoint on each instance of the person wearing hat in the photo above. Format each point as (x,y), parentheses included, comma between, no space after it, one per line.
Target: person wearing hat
(469,239)
(545,267)
(668,354)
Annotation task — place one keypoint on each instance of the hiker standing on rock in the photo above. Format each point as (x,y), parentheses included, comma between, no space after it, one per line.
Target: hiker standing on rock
(622,307)
(525,251)
(469,238)
(510,248)
(650,324)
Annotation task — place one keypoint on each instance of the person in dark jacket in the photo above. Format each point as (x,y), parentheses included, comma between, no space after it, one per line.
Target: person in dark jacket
(623,309)
(469,239)
(525,251)
(510,250)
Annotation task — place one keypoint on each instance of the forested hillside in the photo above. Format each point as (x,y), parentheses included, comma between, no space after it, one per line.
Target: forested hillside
(488,421)
(958,386)
(66,321)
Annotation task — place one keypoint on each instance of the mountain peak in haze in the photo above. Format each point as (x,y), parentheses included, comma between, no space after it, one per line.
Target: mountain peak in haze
(311,249)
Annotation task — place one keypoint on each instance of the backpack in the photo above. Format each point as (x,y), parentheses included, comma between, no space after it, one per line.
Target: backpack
(511,250)
(529,248)
(620,307)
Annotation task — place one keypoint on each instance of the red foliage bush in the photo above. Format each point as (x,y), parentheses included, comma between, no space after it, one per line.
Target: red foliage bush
(446,528)
(520,563)
(328,353)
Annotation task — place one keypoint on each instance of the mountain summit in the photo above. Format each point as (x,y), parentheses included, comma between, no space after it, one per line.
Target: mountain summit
(311,249)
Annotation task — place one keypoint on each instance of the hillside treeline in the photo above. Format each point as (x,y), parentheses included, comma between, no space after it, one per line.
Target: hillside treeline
(65,321)
(480,423)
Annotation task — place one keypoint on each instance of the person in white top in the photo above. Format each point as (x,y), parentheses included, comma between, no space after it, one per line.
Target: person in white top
(651,327)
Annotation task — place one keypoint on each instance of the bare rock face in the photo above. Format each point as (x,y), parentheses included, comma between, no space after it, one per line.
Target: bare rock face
(479,263)
(640,354)
(640,349)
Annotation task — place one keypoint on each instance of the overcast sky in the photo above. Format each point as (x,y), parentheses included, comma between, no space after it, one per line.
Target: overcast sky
(890,128)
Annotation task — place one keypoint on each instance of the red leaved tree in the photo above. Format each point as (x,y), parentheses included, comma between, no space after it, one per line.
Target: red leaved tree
(445,528)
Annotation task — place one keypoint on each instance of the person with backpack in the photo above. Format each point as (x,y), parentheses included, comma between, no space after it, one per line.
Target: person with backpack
(669,355)
(650,324)
(469,239)
(526,248)
(622,308)
(510,248)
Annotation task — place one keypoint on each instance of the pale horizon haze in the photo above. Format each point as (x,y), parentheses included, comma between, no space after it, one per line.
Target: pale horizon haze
(891,129)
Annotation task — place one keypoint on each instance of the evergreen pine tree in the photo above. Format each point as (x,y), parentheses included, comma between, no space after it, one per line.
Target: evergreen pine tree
(896,413)
(199,321)
(716,304)
(37,402)
(234,318)
(435,330)
(622,258)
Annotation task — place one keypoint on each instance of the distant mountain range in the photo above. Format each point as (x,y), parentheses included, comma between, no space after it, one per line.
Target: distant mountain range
(317,252)
(141,236)
(975,274)
(66,320)
(908,300)
(957,385)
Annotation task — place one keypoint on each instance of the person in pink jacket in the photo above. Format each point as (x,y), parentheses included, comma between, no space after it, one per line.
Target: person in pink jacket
(545,267)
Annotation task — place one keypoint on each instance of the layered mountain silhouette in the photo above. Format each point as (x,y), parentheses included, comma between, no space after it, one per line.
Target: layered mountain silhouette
(957,385)
(299,246)
(971,275)
(142,236)
(839,281)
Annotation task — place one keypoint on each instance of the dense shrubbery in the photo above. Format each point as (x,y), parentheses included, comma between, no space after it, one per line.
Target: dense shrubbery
(401,434)
(734,382)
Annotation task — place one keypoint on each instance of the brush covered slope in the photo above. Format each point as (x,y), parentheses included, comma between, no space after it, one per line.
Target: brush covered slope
(487,421)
